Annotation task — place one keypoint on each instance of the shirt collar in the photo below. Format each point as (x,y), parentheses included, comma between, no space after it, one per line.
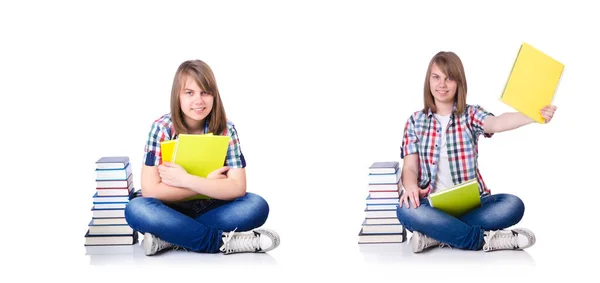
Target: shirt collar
(430,113)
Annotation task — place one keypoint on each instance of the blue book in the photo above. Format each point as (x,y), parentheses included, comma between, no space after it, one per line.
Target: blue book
(112,162)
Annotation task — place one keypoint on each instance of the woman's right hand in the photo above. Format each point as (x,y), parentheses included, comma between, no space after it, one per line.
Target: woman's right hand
(411,196)
(219,173)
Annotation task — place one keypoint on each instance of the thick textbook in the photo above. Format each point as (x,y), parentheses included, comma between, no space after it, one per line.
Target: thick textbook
(112,162)
(532,82)
(457,200)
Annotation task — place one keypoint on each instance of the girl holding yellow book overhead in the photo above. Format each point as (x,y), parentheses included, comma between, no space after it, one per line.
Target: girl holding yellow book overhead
(439,149)
(211,213)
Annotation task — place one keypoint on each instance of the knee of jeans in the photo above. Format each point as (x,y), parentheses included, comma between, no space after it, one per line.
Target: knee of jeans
(258,204)
(518,205)
(137,208)
(410,217)
(515,204)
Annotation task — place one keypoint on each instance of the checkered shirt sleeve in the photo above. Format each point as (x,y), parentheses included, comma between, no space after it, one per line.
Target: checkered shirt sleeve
(235,157)
(160,131)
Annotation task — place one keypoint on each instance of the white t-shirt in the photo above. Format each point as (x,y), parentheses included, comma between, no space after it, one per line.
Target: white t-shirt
(443,179)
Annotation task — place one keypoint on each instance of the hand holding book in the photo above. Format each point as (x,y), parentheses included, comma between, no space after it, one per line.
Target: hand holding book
(548,112)
(172,174)
(220,173)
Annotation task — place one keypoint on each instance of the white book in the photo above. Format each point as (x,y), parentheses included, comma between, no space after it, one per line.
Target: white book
(381,238)
(380,221)
(109,205)
(380,213)
(394,200)
(384,178)
(101,240)
(110,229)
(108,213)
(385,187)
(109,221)
(382,228)
(382,206)
(113,174)
(385,195)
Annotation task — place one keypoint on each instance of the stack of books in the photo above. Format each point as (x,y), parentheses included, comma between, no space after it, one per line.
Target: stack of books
(114,187)
(381,225)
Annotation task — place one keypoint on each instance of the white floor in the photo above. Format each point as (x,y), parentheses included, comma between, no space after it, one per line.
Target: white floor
(369,253)
(366,261)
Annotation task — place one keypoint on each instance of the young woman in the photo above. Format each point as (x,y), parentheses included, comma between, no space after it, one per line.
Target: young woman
(226,221)
(439,149)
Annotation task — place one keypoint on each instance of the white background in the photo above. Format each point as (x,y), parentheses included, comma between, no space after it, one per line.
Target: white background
(318,91)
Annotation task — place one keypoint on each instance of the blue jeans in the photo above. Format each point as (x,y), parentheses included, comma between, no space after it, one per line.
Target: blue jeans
(196,225)
(466,232)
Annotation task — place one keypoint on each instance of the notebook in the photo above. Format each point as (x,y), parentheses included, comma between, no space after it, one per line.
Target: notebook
(532,83)
(166,149)
(457,200)
(198,154)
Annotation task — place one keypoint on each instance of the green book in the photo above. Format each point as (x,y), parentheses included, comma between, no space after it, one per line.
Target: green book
(457,200)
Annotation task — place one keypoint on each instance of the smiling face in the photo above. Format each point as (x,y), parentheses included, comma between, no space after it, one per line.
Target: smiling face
(445,87)
(196,103)
(442,87)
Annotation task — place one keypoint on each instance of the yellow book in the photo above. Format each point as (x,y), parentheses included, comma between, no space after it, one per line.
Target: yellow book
(532,82)
(200,154)
(166,149)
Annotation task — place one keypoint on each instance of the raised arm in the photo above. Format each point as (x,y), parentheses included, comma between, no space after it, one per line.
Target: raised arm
(513,120)
(505,122)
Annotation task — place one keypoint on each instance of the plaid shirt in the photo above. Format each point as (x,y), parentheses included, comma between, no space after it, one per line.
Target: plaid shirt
(162,130)
(422,136)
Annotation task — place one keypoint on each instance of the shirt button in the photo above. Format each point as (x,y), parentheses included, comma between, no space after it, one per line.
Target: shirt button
(436,145)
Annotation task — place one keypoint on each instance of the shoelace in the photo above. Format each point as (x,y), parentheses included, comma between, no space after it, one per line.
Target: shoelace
(175,248)
(445,245)
(497,240)
(236,242)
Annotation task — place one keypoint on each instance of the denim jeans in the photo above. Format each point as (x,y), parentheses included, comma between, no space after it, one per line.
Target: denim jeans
(466,232)
(196,225)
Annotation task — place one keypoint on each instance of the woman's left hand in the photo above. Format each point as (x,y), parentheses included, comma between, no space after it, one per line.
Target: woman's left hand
(172,174)
(548,112)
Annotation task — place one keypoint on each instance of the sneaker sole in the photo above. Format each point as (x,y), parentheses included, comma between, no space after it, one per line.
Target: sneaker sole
(271,234)
(148,239)
(527,233)
(416,237)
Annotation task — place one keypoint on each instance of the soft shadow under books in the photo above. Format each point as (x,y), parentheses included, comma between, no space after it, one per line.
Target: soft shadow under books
(402,253)
(134,255)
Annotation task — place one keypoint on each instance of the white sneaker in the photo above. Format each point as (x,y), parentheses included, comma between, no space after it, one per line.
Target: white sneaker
(515,239)
(256,241)
(421,242)
(153,244)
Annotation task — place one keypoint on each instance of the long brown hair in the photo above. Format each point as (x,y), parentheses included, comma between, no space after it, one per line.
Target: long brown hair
(204,77)
(452,66)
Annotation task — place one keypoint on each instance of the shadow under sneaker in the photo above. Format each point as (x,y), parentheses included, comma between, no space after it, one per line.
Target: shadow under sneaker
(255,241)
(515,239)
(421,242)
(153,244)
